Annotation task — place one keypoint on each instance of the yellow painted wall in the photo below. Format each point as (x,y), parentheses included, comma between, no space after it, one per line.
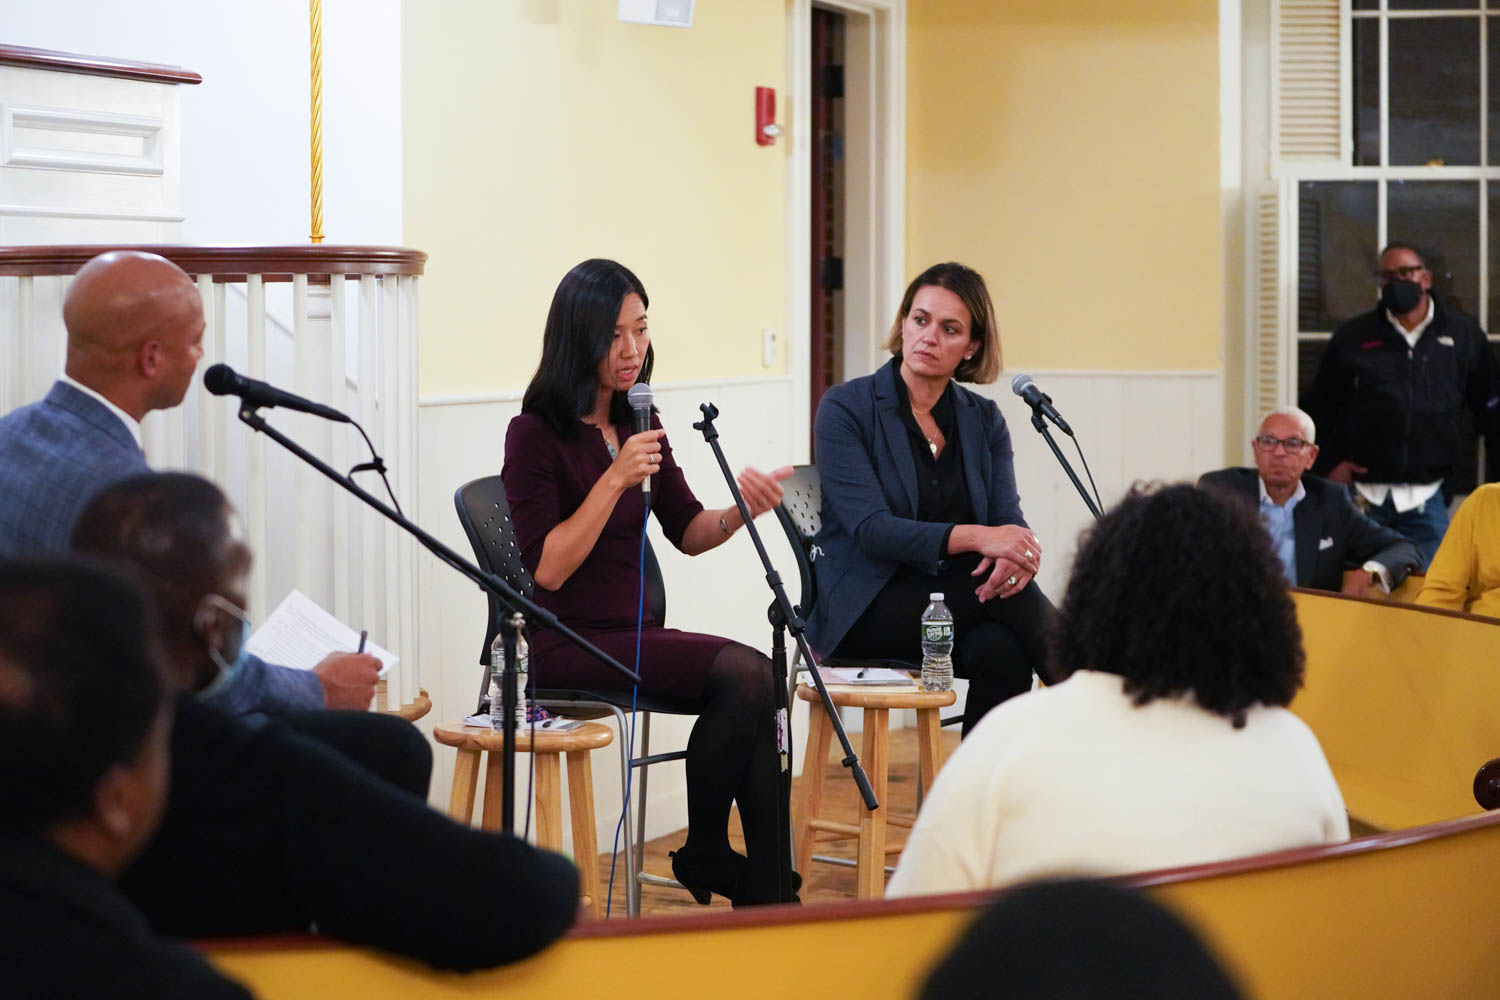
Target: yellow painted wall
(538,133)
(1069,151)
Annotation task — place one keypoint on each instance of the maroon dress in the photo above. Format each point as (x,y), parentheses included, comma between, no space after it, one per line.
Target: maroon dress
(547,477)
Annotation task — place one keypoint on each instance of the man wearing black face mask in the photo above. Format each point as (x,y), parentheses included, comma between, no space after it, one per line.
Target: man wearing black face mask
(1389,396)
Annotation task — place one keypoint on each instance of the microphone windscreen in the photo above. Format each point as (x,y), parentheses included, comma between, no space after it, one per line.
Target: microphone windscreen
(639,396)
(1019,384)
(219,379)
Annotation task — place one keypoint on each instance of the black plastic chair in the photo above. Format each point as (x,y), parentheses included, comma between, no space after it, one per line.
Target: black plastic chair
(801,517)
(485,514)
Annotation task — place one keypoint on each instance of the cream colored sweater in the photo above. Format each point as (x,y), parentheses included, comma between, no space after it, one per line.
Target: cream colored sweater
(1074,779)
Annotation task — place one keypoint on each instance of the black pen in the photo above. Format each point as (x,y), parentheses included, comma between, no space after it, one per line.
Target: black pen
(861,673)
(363,635)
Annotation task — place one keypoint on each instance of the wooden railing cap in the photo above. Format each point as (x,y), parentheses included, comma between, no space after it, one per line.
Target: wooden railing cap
(73,62)
(226,262)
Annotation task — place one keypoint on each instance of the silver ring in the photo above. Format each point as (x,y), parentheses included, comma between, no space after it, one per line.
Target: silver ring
(1028,553)
(1011,581)
(657,458)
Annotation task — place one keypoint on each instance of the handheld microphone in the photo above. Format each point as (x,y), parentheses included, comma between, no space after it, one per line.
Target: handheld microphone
(640,404)
(222,380)
(1023,386)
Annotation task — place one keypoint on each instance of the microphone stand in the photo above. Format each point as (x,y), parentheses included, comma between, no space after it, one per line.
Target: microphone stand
(1040,423)
(784,616)
(491,584)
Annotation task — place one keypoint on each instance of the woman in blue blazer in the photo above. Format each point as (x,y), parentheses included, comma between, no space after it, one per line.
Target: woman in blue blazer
(919,496)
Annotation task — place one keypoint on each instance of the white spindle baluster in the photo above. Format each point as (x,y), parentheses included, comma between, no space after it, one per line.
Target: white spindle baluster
(27,336)
(390,408)
(209,415)
(255,334)
(304,490)
(338,455)
(406,450)
(220,348)
(10,345)
(372,529)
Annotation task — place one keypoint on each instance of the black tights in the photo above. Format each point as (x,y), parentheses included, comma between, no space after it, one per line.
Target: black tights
(731,757)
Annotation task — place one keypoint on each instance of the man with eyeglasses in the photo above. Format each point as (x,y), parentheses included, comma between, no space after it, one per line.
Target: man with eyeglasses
(1390,393)
(1315,529)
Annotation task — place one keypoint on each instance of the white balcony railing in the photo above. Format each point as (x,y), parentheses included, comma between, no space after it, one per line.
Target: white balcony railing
(336,324)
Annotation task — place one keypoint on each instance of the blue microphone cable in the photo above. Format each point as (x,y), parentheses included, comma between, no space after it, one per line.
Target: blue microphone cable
(640,617)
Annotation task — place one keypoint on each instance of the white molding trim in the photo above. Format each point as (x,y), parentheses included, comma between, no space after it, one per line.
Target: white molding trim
(514,395)
(888,228)
(58,212)
(149,162)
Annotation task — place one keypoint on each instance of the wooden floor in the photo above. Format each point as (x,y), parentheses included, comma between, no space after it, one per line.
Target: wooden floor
(825,883)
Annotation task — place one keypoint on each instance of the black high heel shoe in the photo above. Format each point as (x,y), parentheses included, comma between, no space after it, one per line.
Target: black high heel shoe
(764,895)
(704,873)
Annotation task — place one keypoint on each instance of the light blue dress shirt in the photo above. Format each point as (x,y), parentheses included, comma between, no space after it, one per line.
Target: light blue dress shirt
(1279,525)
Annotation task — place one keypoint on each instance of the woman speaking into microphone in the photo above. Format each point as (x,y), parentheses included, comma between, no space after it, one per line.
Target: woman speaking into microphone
(573,472)
(919,497)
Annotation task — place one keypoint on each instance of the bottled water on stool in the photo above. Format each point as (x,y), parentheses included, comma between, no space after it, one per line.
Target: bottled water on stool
(497,680)
(937,645)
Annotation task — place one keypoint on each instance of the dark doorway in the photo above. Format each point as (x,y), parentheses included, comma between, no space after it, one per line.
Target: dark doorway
(827,278)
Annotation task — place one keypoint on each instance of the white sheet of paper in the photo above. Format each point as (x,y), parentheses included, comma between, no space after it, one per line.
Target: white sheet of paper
(870,675)
(299,633)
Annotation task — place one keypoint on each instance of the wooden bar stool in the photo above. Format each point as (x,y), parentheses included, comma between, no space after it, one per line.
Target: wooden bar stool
(472,741)
(874,756)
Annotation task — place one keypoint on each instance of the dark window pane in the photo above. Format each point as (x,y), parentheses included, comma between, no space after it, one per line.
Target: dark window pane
(1494,113)
(1433,5)
(1309,353)
(1493,203)
(1366,84)
(1441,218)
(1335,252)
(1365,5)
(1434,81)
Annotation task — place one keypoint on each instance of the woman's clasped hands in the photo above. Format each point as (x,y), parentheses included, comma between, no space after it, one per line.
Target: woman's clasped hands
(1011,557)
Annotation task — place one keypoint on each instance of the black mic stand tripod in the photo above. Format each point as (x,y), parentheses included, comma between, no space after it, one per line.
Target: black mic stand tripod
(783,617)
(513,601)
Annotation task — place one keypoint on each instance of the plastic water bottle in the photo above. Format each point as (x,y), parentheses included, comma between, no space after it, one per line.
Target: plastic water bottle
(937,645)
(497,680)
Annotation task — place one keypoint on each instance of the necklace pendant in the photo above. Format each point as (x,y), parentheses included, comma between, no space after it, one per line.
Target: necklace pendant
(932,446)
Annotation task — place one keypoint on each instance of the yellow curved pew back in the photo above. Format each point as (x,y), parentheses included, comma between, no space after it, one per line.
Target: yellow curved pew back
(1397,915)
(1405,702)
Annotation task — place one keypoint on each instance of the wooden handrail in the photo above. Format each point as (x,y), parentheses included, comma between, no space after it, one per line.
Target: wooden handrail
(1421,609)
(226,263)
(73,62)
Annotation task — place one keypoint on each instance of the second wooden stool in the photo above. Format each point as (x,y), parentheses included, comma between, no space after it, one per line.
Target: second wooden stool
(874,756)
(472,741)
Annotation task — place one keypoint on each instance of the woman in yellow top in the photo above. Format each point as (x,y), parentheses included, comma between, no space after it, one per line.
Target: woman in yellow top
(1465,573)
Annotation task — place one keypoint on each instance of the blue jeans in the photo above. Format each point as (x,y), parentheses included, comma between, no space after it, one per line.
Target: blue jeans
(1424,525)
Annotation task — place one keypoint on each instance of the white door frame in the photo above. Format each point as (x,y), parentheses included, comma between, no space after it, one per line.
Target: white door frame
(877,224)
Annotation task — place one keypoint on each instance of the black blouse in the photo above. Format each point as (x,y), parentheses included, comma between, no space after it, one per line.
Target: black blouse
(942,496)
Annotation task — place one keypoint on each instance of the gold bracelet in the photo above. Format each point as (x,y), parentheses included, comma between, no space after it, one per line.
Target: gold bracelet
(724,526)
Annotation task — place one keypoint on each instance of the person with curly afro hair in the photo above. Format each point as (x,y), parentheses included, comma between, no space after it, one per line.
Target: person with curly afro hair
(1168,743)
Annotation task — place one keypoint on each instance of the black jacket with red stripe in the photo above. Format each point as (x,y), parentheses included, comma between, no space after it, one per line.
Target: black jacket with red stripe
(1396,409)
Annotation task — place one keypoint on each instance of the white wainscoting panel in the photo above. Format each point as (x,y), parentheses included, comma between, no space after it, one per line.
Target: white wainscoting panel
(1133,427)
(87,159)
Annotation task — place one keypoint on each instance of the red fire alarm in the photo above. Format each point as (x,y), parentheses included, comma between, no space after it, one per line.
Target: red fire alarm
(766,129)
